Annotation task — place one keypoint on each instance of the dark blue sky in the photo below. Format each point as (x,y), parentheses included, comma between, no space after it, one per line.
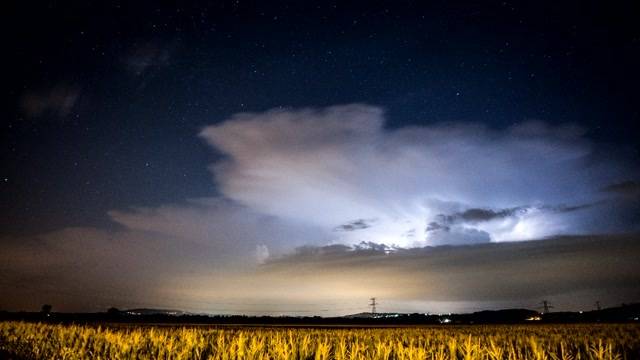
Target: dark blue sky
(103,102)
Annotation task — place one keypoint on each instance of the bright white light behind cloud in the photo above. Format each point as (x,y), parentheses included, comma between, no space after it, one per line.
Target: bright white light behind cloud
(338,166)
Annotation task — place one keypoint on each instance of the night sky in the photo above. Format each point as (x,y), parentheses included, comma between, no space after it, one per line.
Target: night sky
(303,157)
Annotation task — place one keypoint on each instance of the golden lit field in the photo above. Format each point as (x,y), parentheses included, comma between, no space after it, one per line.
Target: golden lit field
(44,341)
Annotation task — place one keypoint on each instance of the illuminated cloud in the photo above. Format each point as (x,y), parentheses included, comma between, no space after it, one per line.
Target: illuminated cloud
(339,168)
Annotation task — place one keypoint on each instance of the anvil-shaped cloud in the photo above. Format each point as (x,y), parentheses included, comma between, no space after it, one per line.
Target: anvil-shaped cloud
(340,168)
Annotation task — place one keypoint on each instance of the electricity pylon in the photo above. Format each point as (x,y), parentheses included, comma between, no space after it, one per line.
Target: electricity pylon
(546,306)
(373,305)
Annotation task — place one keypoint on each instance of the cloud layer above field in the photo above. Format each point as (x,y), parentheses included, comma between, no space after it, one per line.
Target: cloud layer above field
(85,269)
(325,205)
(593,266)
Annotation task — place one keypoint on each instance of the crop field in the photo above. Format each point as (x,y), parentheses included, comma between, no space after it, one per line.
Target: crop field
(45,341)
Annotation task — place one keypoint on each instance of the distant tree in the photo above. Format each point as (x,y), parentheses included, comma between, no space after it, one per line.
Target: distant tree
(112,311)
(46,309)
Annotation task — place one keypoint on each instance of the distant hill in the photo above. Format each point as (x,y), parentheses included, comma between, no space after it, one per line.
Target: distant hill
(362,315)
(486,316)
(621,314)
(145,311)
(498,316)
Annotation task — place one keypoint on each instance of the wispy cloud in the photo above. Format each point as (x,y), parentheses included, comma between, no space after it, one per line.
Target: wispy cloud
(629,188)
(57,101)
(146,55)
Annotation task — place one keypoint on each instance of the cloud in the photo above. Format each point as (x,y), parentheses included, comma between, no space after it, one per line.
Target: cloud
(80,268)
(233,231)
(262,253)
(58,101)
(335,167)
(136,264)
(479,215)
(476,225)
(89,269)
(627,189)
(146,55)
(359,224)
(328,205)
(604,267)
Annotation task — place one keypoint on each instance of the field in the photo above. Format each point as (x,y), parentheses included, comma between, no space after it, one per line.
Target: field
(45,341)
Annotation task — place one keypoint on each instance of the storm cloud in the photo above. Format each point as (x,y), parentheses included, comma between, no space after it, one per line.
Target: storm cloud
(335,167)
(330,205)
